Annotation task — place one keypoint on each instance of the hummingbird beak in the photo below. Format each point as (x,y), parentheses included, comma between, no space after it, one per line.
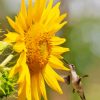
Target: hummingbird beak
(66,63)
(70,66)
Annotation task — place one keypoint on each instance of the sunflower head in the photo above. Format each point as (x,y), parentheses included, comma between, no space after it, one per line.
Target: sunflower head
(34,37)
(38,49)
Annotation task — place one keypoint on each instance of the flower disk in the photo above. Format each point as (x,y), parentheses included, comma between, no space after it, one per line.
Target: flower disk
(34,38)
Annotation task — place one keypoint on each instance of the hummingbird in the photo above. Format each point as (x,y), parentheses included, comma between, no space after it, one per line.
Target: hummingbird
(75,80)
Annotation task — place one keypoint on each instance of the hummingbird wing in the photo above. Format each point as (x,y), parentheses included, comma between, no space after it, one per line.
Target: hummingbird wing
(79,80)
(85,76)
(67,79)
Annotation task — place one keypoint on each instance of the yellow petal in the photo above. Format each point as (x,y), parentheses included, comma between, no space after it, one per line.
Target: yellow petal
(22,91)
(56,63)
(17,67)
(35,87)
(21,74)
(57,40)
(52,16)
(30,13)
(21,88)
(42,4)
(60,19)
(60,26)
(19,47)
(50,5)
(46,11)
(58,56)
(18,27)
(39,7)
(15,26)
(11,37)
(55,27)
(42,87)
(28,84)
(23,9)
(22,59)
(57,50)
(22,22)
(22,64)
(51,80)
(53,73)
(11,22)
(24,79)
(22,16)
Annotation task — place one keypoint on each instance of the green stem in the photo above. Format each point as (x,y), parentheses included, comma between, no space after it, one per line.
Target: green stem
(7,60)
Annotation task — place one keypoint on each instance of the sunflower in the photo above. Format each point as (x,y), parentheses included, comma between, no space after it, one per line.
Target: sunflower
(35,40)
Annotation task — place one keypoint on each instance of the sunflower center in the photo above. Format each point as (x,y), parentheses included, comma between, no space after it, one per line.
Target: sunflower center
(38,52)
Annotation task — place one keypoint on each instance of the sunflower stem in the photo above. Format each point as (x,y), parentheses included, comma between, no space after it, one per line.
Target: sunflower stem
(7,60)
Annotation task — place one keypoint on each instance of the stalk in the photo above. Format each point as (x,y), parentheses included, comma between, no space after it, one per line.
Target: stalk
(7,60)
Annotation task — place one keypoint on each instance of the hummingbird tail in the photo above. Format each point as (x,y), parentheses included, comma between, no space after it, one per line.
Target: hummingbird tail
(83,97)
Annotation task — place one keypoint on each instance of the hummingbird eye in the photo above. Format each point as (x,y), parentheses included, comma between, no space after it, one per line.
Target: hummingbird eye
(73,67)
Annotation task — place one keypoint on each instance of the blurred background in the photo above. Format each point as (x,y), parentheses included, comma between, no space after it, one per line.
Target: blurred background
(83,38)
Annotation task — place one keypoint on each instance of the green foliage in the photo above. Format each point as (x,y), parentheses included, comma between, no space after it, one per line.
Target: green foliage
(79,37)
(5,53)
(7,85)
(82,36)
